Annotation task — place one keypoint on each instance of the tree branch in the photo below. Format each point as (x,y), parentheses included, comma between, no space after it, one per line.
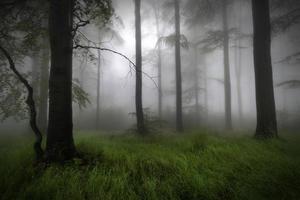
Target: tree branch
(31,105)
(78,46)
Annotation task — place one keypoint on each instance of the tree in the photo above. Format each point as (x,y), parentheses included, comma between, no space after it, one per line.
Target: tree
(179,123)
(43,95)
(265,102)
(227,82)
(60,143)
(31,106)
(159,60)
(207,10)
(138,90)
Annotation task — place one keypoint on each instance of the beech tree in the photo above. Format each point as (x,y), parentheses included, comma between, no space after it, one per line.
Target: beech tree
(265,102)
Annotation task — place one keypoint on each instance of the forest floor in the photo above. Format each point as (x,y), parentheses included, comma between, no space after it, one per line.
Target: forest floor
(193,166)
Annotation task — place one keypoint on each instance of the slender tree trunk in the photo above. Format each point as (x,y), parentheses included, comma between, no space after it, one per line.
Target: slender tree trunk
(238,67)
(206,89)
(159,62)
(98,90)
(227,84)
(179,123)
(60,145)
(138,92)
(265,102)
(44,78)
(31,107)
(196,86)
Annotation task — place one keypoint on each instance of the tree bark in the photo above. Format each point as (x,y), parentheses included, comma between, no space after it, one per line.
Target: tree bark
(44,78)
(227,84)
(265,102)
(60,145)
(138,91)
(179,123)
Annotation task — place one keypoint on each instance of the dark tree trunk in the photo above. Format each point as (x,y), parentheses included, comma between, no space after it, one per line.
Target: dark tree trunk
(31,106)
(227,84)
(265,102)
(60,145)
(138,91)
(98,90)
(179,123)
(44,78)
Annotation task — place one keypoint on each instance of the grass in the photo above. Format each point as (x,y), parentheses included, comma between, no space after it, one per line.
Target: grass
(193,166)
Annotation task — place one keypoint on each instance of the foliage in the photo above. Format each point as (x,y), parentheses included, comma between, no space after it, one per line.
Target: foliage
(186,167)
(170,40)
(285,14)
(79,96)
(12,96)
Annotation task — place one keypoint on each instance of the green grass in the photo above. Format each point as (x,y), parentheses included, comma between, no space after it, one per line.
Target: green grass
(194,166)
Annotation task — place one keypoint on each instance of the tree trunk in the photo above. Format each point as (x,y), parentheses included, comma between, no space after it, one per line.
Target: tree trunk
(44,78)
(159,62)
(238,67)
(227,86)
(98,90)
(138,92)
(196,87)
(60,145)
(206,89)
(179,123)
(265,102)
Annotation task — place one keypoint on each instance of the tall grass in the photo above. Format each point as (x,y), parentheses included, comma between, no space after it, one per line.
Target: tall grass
(197,166)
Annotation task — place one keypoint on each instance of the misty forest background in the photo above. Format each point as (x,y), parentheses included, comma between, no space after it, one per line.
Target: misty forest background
(149,99)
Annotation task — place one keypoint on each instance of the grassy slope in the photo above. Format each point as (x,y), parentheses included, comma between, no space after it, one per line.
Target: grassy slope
(196,166)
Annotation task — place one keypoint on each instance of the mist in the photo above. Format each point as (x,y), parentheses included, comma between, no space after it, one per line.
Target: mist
(84,78)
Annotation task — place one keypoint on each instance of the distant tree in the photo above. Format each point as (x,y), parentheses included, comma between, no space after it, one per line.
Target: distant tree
(179,121)
(138,90)
(265,102)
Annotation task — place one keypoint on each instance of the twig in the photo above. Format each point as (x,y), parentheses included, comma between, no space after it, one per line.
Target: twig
(78,46)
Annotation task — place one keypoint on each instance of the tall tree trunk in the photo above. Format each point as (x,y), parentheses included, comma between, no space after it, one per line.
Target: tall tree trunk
(44,78)
(179,123)
(196,87)
(227,84)
(265,102)
(138,91)
(206,88)
(60,144)
(238,66)
(98,90)
(159,61)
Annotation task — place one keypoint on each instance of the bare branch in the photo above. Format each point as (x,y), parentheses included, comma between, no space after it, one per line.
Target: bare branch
(78,46)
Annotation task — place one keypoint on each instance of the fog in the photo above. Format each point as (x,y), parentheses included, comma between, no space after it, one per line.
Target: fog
(117,75)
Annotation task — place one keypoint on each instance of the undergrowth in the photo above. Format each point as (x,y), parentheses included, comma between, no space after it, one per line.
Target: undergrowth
(193,166)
